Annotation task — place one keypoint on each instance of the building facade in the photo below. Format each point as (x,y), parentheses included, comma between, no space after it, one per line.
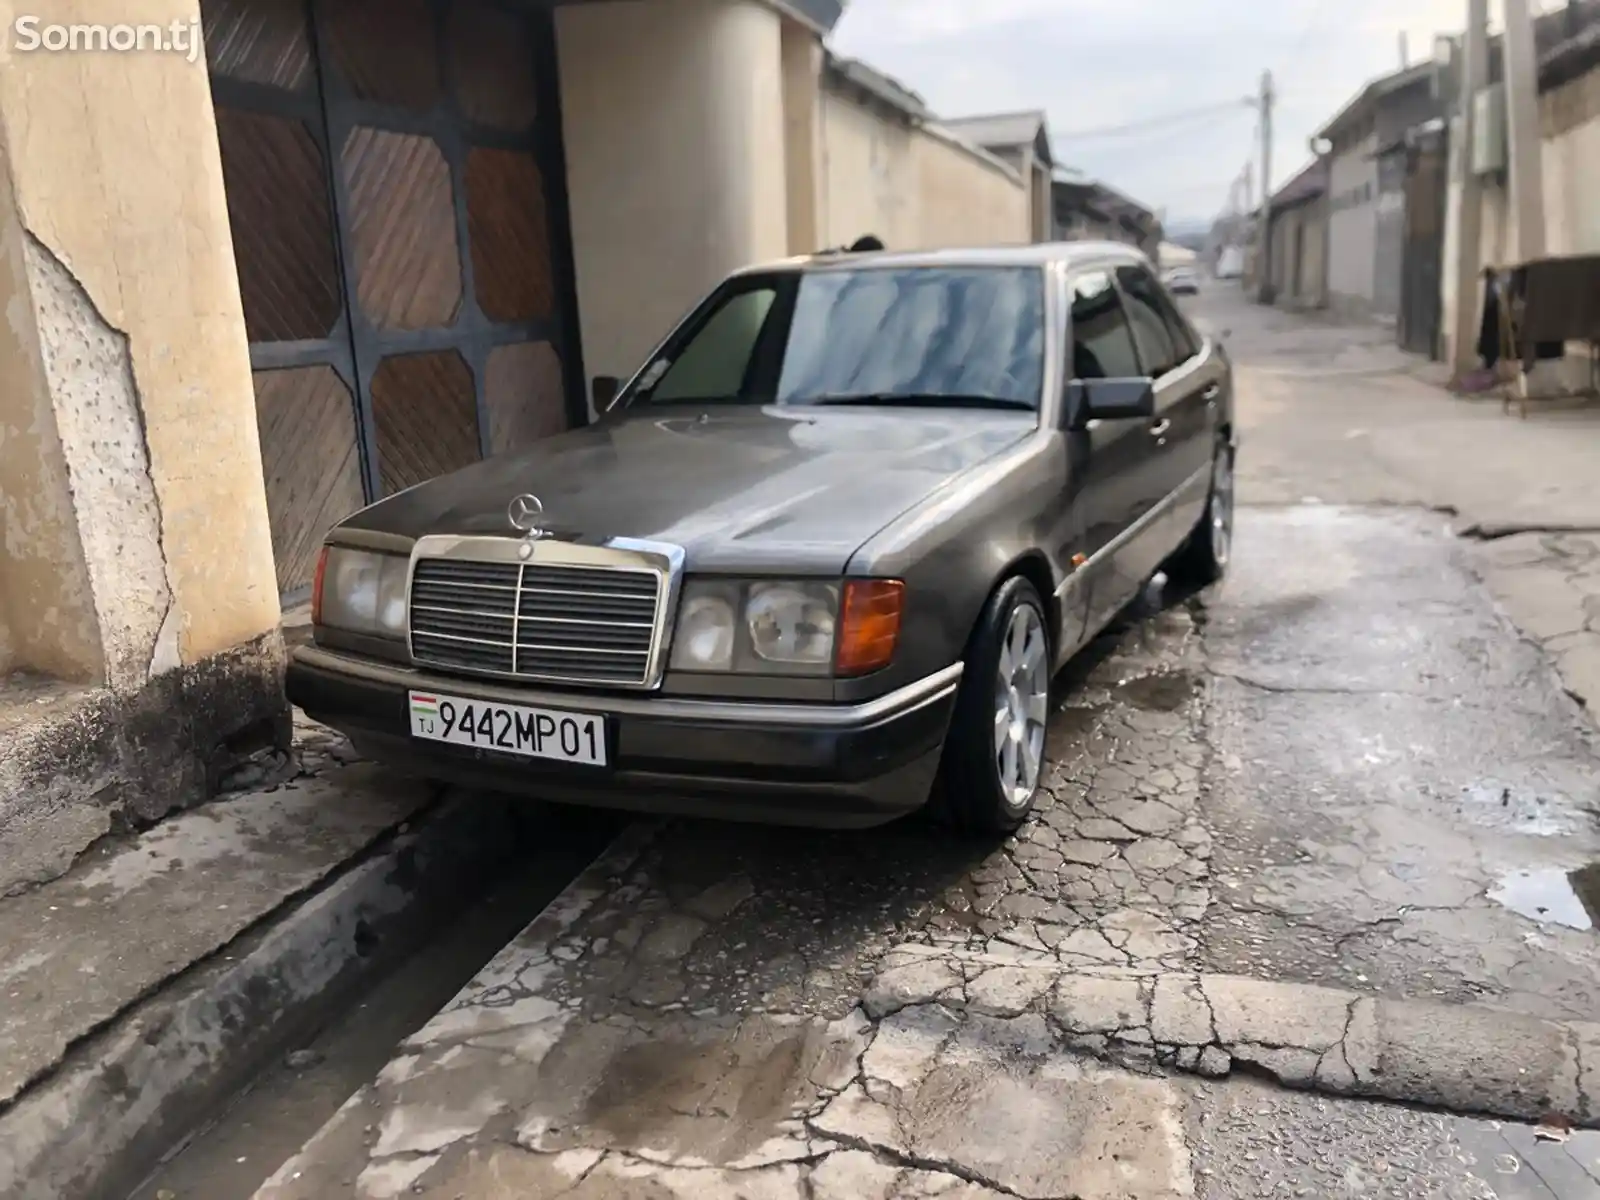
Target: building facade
(1364,146)
(1299,234)
(1086,209)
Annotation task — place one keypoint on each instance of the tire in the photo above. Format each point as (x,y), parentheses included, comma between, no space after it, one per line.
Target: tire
(971,795)
(1203,558)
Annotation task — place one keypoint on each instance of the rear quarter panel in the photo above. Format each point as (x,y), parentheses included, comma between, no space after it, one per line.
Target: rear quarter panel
(953,549)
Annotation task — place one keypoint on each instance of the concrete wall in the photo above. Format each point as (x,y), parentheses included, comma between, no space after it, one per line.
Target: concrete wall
(869,173)
(136,559)
(674,122)
(1352,225)
(1569,122)
(1569,118)
(1309,221)
(967,197)
(913,186)
(803,145)
(138,343)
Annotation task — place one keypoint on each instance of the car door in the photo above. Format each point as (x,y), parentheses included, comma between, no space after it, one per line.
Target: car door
(1176,450)
(1113,459)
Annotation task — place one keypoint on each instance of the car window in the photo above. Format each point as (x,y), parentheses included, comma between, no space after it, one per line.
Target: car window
(1102,344)
(1183,337)
(1157,350)
(887,332)
(715,361)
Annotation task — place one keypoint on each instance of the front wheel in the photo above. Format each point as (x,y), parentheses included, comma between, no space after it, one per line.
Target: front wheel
(1203,558)
(994,754)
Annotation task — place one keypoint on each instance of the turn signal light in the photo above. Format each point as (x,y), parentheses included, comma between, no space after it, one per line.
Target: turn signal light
(316,587)
(869,625)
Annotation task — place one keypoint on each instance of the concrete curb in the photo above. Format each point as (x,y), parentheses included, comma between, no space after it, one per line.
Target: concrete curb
(1462,1058)
(127,1094)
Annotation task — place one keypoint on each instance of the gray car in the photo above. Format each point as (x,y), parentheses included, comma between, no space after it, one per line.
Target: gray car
(817,562)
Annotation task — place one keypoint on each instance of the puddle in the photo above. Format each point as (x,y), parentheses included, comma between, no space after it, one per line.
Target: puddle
(1552,896)
(1165,692)
(1528,813)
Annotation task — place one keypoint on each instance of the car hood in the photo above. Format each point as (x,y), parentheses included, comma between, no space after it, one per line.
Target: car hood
(751,489)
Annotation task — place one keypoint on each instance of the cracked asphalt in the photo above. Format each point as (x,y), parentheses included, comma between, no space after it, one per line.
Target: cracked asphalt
(1278,818)
(1313,882)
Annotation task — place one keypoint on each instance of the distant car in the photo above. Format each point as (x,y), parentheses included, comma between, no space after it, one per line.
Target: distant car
(1182,281)
(831,543)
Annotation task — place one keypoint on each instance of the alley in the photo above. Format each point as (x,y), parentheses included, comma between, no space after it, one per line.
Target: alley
(1297,830)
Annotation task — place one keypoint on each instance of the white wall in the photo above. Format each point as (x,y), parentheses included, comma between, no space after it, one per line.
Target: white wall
(968,197)
(673,119)
(916,187)
(1352,226)
(869,175)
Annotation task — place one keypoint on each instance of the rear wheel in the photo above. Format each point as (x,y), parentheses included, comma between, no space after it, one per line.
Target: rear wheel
(1203,559)
(994,754)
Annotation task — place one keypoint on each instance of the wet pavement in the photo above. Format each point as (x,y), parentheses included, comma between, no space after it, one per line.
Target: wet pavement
(1345,769)
(1403,798)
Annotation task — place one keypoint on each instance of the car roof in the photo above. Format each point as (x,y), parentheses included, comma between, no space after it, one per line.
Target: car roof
(1040,254)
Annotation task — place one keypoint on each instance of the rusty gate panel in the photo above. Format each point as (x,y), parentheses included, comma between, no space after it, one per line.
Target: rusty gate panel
(394,177)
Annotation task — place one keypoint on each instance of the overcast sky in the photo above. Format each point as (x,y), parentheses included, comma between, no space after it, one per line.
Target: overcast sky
(1091,64)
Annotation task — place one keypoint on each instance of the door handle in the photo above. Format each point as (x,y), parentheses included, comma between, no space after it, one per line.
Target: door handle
(1161,427)
(1211,393)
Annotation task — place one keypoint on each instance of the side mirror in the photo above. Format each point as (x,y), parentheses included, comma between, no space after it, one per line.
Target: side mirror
(1109,400)
(603,391)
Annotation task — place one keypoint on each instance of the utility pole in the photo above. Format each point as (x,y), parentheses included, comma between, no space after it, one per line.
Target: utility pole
(1522,127)
(1405,53)
(1264,289)
(1474,77)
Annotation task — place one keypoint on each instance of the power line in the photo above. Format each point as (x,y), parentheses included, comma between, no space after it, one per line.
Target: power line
(1152,122)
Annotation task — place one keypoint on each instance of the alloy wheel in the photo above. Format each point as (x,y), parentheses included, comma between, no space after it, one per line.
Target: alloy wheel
(1222,506)
(1021,705)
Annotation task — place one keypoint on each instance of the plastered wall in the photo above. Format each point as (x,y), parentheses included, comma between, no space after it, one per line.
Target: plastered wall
(966,196)
(139,350)
(1569,120)
(915,186)
(674,125)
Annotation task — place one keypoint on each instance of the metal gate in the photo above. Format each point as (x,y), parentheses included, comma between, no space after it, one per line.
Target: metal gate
(1422,257)
(393,178)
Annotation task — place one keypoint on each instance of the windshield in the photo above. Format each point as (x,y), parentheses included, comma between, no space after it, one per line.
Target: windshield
(948,336)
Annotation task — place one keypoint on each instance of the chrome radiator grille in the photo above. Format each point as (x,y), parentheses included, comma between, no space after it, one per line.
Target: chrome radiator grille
(558,624)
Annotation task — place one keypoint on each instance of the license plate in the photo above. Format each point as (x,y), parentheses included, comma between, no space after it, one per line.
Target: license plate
(510,728)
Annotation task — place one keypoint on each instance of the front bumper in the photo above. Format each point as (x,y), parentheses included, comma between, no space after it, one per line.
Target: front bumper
(825,765)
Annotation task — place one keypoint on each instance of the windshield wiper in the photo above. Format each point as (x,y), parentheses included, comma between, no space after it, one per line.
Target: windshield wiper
(922,400)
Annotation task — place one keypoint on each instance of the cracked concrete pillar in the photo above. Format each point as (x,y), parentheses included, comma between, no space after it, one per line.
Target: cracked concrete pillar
(136,556)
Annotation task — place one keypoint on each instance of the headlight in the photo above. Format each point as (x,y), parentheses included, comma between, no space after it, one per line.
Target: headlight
(790,627)
(707,623)
(791,624)
(361,592)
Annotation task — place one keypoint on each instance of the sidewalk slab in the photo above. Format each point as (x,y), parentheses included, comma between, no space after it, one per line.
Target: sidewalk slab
(77,951)
(1460,1058)
(134,1088)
